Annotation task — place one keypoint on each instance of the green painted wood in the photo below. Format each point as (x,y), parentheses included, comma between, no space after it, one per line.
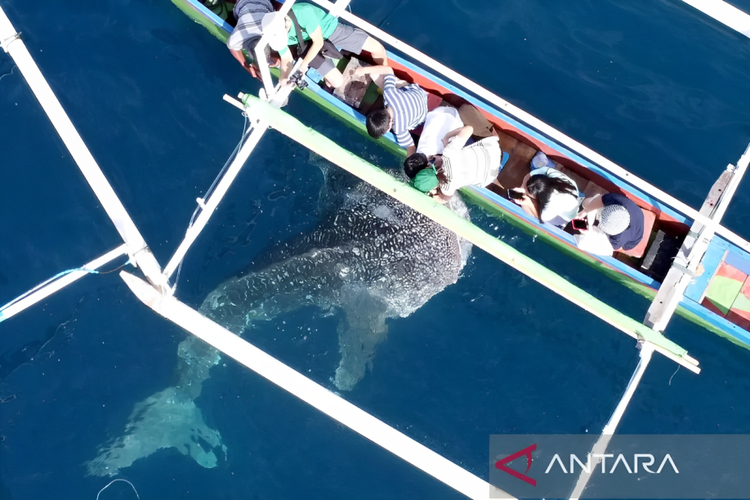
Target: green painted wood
(368,172)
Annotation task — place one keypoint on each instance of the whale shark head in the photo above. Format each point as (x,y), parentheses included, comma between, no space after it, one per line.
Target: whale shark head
(371,258)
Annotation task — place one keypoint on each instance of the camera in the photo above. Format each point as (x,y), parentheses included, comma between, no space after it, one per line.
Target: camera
(298,79)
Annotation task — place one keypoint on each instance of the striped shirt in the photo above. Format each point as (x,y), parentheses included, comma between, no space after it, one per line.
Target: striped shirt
(409,105)
(249,15)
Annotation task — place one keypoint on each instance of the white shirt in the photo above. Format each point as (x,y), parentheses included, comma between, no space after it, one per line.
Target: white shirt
(564,205)
(474,165)
(438,123)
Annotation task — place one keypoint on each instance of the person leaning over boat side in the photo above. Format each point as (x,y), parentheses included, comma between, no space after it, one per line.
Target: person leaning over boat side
(615,222)
(549,195)
(247,32)
(438,123)
(405,107)
(475,165)
(317,26)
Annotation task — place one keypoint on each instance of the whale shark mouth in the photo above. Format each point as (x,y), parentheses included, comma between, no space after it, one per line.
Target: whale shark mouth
(371,259)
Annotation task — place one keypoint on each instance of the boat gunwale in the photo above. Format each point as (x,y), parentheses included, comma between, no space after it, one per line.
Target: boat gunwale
(559,237)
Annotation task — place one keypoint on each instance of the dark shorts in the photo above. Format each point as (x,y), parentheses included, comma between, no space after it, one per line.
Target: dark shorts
(344,37)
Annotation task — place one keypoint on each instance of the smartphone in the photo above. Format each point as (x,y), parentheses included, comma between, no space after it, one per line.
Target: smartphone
(580,224)
(515,195)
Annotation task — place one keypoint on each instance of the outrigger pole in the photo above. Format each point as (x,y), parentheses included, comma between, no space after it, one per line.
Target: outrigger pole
(725,13)
(139,253)
(670,293)
(322,145)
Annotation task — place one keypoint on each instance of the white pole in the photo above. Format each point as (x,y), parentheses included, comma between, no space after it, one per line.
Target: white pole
(260,55)
(312,393)
(57,285)
(137,248)
(724,13)
(676,282)
(609,430)
(536,123)
(258,128)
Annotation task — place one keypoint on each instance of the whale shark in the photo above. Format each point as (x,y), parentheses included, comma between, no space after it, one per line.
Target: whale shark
(370,259)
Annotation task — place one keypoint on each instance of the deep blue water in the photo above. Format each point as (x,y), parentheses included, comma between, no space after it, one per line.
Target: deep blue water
(650,84)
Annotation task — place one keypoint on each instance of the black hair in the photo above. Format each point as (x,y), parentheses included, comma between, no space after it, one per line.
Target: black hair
(378,122)
(541,187)
(250,44)
(414,163)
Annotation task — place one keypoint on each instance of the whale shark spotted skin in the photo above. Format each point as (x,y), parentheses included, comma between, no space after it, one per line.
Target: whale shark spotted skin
(372,258)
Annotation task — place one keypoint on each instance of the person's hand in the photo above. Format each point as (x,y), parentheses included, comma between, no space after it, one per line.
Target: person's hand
(520,201)
(360,71)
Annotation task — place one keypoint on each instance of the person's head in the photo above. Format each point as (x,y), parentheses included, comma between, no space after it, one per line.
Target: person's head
(541,187)
(426,180)
(414,163)
(614,219)
(379,122)
(251,43)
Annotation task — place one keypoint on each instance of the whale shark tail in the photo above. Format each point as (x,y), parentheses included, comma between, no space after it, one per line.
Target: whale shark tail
(165,420)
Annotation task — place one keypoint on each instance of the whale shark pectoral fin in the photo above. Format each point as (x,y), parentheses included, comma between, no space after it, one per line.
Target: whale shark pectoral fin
(360,331)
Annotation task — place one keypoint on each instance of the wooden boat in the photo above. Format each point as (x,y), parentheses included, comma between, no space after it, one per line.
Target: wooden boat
(718,299)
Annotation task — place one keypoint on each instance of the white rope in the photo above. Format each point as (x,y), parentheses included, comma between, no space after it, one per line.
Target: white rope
(201,201)
(257,129)
(53,286)
(114,481)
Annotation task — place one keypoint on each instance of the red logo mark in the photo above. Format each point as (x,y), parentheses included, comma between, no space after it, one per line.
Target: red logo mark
(501,464)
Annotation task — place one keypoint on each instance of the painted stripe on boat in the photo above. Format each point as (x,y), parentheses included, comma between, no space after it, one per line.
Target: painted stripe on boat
(711,260)
(206,12)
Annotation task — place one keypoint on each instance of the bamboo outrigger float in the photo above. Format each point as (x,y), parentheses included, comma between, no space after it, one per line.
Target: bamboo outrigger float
(705,242)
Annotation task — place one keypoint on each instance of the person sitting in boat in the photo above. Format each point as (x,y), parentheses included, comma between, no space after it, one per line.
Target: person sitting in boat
(247,33)
(475,165)
(405,107)
(317,26)
(439,122)
(614,222)
(547,194)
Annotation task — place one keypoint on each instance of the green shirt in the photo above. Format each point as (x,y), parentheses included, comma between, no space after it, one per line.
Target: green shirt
(309,18)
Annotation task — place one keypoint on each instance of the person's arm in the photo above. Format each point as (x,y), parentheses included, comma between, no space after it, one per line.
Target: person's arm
(590,204)
(378,74)
(410,150)
(528,206)
(316,37)
(440,197)
(373,70)
(461,136)
(286,65)
(240,56)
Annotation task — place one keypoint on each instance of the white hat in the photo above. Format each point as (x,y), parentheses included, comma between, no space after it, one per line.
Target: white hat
(614,219)
(274,26)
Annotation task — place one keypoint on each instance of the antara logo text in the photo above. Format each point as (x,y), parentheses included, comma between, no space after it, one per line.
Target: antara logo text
(638,462)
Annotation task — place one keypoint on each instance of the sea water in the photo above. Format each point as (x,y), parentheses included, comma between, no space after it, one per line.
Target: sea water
(653,85)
